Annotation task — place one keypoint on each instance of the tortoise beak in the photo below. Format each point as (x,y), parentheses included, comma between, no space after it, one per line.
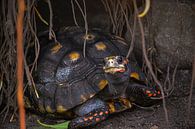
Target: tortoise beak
(114,64)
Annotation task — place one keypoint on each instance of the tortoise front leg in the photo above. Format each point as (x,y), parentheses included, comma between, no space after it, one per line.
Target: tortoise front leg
(90,113)
(142,94)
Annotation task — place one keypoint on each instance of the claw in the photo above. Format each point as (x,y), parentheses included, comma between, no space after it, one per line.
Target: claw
(55,126)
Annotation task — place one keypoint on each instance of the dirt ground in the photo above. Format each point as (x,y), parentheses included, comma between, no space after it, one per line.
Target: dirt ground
(138,118)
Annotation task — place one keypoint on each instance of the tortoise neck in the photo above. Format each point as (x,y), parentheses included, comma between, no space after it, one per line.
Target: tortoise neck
(117,83)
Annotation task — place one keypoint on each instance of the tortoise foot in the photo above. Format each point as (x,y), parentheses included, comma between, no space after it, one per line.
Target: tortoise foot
(90,119)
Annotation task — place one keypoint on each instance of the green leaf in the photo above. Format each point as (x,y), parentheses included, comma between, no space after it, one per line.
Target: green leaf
(56,126)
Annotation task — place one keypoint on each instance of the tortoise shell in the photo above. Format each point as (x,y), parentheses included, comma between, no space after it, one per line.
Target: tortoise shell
(67,78)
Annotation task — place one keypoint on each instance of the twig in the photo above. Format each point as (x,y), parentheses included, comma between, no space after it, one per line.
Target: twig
(50,19)
(84,14)
(146,9)
(20,64)
(173,80)
(40,17)
(106,5)
(191,89)
(37,49)
(86,29)
(73,12)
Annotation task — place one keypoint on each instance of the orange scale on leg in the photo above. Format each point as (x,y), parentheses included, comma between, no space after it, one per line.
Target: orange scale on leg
(85,119)
(103,118)
(101,113)
(106,112)
(97,119)
(149,95)
(91,117)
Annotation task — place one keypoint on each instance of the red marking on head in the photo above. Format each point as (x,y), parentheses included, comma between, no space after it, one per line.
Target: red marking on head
(149,95)
(158,92)
(101,113)
(106,112)
(154,94)
(121,70)
(97,119)
(95,114)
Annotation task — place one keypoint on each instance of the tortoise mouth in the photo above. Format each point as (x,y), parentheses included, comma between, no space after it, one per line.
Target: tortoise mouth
(114,70)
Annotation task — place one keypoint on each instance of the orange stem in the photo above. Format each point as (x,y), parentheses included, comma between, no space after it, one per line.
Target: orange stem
(20,63)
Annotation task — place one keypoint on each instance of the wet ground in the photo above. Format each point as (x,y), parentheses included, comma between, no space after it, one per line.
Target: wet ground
(138,118)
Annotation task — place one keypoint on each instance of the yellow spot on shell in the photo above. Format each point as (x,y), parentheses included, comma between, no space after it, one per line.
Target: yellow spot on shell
(48,109)
(89,37)
(41,109)
(135,75)
(111,107)
(56,48)
(83,98)
(100,46)
(61,109)
(102,84)
(27,103)
(74,56)
(91,95)
(126,102)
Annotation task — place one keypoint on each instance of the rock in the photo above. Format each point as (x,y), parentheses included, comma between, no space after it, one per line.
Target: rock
(170,32)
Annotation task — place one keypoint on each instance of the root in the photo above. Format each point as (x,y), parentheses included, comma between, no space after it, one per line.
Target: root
(148,63)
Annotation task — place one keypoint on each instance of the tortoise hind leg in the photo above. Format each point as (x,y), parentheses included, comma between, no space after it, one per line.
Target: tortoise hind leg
(96,110)
(90,119)
(90,113)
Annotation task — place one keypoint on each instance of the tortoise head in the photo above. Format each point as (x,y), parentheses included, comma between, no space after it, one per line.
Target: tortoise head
(115,64)
(116,69)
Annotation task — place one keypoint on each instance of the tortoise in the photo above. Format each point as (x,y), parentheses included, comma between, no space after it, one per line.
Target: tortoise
(88,86)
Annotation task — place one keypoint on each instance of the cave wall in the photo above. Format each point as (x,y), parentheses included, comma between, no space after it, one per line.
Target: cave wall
(63,15)
(170,33)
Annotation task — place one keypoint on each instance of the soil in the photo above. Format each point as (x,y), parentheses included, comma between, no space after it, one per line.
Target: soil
(138,118)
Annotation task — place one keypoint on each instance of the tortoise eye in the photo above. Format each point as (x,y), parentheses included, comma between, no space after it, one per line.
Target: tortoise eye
(119,59)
